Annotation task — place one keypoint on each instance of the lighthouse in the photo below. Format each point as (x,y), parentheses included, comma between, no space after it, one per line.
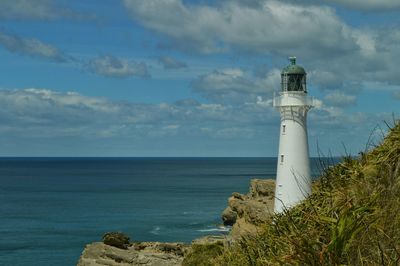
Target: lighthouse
(293,181)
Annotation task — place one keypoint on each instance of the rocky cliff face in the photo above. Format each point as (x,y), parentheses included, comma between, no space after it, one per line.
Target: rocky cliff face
(244,213)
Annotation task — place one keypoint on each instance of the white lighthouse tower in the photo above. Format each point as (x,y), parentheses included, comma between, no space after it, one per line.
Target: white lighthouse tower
(293,181)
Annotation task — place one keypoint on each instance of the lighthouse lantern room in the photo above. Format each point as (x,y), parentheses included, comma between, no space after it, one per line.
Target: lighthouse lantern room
(293,181)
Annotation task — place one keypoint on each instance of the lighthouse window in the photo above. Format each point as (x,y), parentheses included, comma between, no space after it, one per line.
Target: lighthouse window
(283,129)
(282,157)
(296,82)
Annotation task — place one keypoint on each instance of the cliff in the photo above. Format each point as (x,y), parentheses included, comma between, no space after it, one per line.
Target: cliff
(245,213)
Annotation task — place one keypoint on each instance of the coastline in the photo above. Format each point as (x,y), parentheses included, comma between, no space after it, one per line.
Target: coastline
(244,213)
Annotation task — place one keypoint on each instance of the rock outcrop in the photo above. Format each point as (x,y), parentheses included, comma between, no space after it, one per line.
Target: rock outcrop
(246,212)
(141,253)
(116,239)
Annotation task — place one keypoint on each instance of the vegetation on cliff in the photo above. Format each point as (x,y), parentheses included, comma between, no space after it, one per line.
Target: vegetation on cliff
(203,254)
(351,218)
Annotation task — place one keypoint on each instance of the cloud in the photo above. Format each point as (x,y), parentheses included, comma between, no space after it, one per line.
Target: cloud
(187,102)
(362,5)
(337,55)
(340,99)
(36,10)
(31,47)
(171,63)
(224,81)
(39,113)
(26,9)
(325,79)
(115,67)
(368,4)
(44,118)
(235,85)
(376,61)
(270,28)
(42,113)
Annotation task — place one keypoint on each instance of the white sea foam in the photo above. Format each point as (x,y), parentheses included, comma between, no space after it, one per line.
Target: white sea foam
(216,229)
(155,230)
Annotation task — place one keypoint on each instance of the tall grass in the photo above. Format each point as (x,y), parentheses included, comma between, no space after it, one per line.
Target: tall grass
(351,218)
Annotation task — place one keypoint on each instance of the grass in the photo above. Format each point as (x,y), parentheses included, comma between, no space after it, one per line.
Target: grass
(203,254)
(351,218)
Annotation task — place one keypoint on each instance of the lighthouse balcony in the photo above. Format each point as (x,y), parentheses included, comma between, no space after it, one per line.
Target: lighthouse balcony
(292,99)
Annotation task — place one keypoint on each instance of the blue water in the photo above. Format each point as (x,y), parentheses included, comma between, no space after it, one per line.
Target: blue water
(50,208)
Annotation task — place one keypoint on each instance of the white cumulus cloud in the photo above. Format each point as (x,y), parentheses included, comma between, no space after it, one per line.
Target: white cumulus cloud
(273,27)
(115,67)
(340,99)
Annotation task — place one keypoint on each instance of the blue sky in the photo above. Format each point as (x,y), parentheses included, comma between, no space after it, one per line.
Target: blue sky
(191,78)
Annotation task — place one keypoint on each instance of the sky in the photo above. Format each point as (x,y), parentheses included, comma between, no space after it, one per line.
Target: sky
(192,77)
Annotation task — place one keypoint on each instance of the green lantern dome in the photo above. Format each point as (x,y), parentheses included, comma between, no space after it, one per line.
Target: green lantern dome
(293,77)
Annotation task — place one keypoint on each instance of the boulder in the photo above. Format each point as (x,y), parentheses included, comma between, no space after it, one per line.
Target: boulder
(116,239)
(175,248)
(237,195)
(229,216)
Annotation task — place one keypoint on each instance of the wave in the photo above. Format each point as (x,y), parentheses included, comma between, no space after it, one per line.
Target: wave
(216,229)
(155,230)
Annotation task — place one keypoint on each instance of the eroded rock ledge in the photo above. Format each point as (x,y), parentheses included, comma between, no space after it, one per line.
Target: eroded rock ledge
(141,253)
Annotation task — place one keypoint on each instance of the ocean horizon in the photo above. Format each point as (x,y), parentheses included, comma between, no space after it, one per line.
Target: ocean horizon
(51,207)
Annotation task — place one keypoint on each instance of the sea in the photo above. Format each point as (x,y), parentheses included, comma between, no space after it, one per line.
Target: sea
(50,208)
